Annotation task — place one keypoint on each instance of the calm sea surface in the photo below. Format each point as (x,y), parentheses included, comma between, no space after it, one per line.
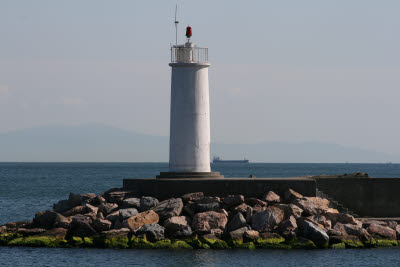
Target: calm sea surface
(26,188)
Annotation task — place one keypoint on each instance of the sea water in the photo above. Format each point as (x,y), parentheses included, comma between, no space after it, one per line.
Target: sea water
(26,188)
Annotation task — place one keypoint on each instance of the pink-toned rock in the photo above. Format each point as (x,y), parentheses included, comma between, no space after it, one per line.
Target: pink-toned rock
(291,195)
(107,208)
(271,198)
(29,232)
(267,220)
(91,208)
(251,236)
(358,231)
(146,217)
(380,231)
(342,218)
(320,220)
(62,222)
(290,210)
(112,217)
(312,205)
(288,228)
(206,221)
(101,225)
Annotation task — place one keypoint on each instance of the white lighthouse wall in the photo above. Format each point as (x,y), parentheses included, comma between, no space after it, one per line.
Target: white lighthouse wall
(190,118)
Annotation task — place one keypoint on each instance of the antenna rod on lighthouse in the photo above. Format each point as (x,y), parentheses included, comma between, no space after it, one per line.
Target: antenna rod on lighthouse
(176,25)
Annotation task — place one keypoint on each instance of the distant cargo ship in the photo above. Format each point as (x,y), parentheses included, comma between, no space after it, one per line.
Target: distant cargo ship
(219,160)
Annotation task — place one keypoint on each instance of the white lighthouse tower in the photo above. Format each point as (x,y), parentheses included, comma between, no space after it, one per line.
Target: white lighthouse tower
(189,147)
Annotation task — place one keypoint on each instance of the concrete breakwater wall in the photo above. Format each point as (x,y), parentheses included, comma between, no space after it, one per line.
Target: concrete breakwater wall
(367,197)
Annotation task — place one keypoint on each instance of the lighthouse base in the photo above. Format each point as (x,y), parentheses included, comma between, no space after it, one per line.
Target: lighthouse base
(192,175)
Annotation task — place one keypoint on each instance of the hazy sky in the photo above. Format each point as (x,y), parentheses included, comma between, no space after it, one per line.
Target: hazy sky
(325,71)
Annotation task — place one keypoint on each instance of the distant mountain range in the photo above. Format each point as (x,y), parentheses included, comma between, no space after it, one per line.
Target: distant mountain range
(96,142)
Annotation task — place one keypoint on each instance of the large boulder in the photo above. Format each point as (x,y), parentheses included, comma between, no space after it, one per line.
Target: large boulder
(127,213)
(321,221)
(169,208)
(291,195)
(267,220)
(62,206)
(380,231)
(45,219)
(107,208)
(62,222)
(132,202)
(79,199)
(115,197)
(192,196)
(311,231)
(233,200)
(147,203)
(237,235)
(290,210)
(80,227)
(238,221)
(271,198)
(178,227)
(204,222)
(153,232)
(312,205)
(101,225)
(113,216)
(251,236)
(343,218)
(143,218)
(358,231)
(288,228)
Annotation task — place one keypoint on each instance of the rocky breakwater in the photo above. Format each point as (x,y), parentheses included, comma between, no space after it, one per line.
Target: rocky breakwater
(115,219)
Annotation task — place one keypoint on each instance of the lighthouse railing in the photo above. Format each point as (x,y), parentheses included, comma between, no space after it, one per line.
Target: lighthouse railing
(182,54)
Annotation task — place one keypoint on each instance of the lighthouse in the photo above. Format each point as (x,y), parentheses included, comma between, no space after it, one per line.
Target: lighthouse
(189,144)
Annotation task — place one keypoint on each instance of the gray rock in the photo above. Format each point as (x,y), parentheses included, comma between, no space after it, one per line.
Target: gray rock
(169,208)
(61,206)
(107,208)
(101,225)
(153,232)
(127,213)
(147,203)
(190,208)
(131,203)
(238,221)
(213,206)
(115,197)
(267,220)
(45,219)
(233,200)
(237,235)
(249,214)
(311,231)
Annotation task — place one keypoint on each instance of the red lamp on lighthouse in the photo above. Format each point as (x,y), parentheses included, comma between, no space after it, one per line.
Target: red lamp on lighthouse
(188,32)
